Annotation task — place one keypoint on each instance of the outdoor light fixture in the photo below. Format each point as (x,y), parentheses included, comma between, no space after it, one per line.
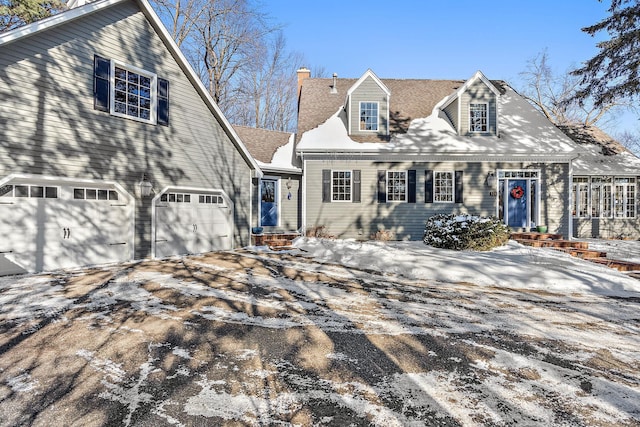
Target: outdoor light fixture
(145,186)
(491,179)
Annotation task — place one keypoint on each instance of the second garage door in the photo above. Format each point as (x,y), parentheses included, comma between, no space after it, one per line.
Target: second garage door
(189,221)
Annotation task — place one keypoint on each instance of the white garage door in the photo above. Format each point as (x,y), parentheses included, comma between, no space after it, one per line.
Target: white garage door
(48,223)
(190,221)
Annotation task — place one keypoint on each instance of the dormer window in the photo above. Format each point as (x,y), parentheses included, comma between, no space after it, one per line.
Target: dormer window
(369,116)
(478,117)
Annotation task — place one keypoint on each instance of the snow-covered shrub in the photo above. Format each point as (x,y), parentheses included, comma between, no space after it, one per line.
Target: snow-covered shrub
(460,232)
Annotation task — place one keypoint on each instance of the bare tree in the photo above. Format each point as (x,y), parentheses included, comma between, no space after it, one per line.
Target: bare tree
(267,88)
(630,140)
(554,96)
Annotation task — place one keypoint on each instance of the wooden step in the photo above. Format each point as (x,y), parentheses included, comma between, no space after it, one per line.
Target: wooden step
(554,243)
(583,253)
(535,236)
(618,265)
(274,239)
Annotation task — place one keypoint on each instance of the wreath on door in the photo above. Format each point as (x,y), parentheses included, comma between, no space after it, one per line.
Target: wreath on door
(517,192)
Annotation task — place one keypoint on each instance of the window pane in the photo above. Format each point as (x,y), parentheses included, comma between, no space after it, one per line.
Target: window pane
(369,116)
(478,117)
(6,191)
(37,191)
(113,195)
(341,185)
(91,194)
(102,194)
(78,193)
(443,187)
(22,191)
(51,192)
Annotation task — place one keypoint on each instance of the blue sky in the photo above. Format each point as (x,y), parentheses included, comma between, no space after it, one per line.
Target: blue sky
(439,39)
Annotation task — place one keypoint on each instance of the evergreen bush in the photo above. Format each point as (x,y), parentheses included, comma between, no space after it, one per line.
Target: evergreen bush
(461,232)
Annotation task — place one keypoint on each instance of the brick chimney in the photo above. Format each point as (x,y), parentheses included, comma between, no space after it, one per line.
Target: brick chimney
(303,73)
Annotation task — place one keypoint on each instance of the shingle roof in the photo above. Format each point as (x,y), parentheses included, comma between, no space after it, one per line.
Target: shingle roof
(410,99)
(262,143)
(593,135)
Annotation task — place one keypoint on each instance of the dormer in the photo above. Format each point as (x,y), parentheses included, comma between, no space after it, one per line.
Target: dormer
(367,106)
(473,108)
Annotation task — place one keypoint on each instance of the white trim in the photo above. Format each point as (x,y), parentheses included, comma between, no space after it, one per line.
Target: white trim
(458,93)
(376,130)
(303,184)
(112,91)
(350,186)
(453,186)
(368,73)
(200,190)
(56,20)
(277,197)
(479,132)
(406,186)
(505,195)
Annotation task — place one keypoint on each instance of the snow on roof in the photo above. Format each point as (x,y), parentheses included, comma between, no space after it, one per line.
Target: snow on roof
(523,131)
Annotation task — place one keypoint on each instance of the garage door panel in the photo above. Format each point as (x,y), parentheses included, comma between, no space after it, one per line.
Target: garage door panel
(202,224)
(48,233)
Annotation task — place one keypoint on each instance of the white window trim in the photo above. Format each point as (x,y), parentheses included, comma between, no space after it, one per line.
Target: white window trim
(277,198)
(453,187)
(154,92)
(486,104)
(406,187)
(350,186)
(377,116)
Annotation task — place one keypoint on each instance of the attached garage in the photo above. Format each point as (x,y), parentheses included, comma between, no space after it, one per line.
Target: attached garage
(191,220)
(47,223)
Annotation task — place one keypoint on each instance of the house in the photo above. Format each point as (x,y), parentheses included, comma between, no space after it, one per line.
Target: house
(277,204)
(111,148)
(386,154)
(604,191)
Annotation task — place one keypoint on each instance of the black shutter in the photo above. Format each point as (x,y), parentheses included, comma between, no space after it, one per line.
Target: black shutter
(382,186)
(428,186)
(326,186)
(101,92)
(163,102)
(411,186)
(355,197)
(459,187)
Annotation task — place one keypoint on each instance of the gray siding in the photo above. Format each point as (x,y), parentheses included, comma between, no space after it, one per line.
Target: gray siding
(606,228)
(369,91)
(290,208)
(406,220)
(476,93)
(452,113)
(48,124)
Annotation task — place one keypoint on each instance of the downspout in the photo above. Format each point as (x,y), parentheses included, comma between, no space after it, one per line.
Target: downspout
(304,195)
(570,191)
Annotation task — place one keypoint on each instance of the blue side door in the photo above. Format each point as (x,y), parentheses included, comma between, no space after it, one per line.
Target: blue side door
(268,203)
(517,204)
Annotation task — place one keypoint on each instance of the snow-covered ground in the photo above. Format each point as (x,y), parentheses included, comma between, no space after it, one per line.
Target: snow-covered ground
(332,333)
(511,266)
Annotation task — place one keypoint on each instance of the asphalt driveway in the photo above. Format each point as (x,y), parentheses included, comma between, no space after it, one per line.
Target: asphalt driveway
(249,338)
